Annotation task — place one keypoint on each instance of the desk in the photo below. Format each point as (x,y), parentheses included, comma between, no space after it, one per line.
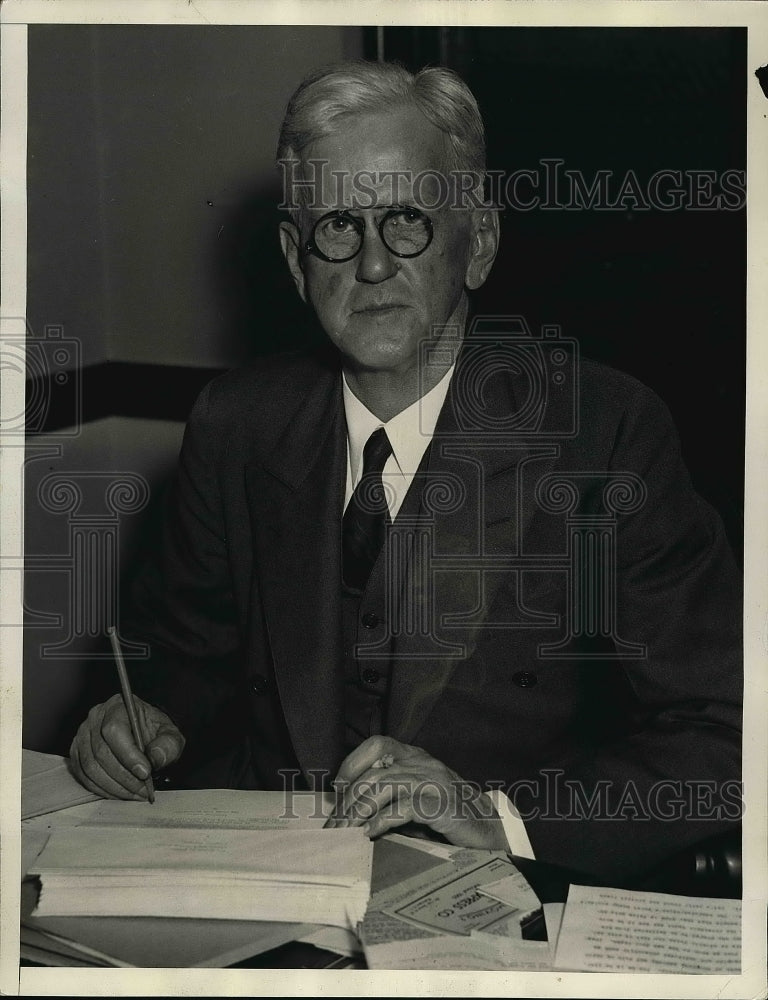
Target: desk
(391,866)
(710,870)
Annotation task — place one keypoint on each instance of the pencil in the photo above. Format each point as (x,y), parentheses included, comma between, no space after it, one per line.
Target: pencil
(130,704)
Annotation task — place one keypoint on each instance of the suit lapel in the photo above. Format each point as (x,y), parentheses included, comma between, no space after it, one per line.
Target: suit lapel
(470,508)
(296,497)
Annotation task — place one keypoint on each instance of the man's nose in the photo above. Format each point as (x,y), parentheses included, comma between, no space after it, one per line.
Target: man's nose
(374,262)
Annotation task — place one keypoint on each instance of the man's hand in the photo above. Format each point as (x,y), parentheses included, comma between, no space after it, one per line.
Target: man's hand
(412,786)
(105,758)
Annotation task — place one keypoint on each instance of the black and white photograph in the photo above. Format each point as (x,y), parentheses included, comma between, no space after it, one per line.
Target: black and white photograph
(383,451)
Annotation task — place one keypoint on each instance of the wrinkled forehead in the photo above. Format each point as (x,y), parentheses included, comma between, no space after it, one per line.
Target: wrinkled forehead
(376,160)
(329,189)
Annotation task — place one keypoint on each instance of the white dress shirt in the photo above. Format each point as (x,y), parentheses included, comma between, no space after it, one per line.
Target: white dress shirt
(409,433)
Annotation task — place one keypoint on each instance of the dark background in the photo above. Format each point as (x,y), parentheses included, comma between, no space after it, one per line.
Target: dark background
(152,242)
(658,294)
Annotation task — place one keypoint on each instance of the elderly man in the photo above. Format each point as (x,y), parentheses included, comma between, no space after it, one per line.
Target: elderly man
(461,574)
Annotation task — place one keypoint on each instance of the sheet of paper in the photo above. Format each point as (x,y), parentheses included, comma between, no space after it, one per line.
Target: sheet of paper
(615,930)
(514,891)
(32,844)
(437,850)
(47,785)
(223,808)
(336,939)
(34,762)
(394,861)
(161,942)
(426,877)
(58,944)
(42,956)
(327,857)
(480,953)
(381,927)
(71,816)
(209,808)
(553,918)
(407,909)
(455,905)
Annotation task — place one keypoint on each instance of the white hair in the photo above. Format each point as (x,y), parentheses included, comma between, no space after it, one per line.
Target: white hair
(326,98)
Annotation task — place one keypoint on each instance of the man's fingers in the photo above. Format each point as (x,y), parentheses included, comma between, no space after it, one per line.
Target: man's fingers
(90,771)
(163,741)
(417,769)
(374,791)
(107,768)
(116,734)
(99,789)
(362,757)
(105,757)
(77,770)
(94,757)
(357,801)
(82,777)
(147,732)
(385,821)
(404,784)
(166,747)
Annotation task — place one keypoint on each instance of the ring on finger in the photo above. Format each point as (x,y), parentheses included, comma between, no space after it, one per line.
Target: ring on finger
(386,760)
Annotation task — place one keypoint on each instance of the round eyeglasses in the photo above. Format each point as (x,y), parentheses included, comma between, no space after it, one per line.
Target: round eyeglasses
(338,236)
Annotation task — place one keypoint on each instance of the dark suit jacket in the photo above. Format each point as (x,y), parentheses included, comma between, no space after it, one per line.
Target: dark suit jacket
(615,761)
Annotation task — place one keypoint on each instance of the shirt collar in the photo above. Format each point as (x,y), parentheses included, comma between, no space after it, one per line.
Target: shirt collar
(409,432)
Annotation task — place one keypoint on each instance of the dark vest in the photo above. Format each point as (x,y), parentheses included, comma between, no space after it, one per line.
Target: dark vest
(367,626)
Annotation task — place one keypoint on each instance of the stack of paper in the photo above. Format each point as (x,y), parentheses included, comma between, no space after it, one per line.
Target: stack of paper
(47,785)
(466,913)
(298,875)
(154,942)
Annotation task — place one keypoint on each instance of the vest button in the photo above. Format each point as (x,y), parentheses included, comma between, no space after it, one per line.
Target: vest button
(370,620)
(259,683)
(371,676)
(525,679)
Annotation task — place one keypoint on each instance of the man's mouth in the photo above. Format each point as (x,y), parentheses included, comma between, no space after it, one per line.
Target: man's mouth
(381,307)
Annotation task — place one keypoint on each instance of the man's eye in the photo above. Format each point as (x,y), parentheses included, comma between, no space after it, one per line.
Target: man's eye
(341,224)
(409,216)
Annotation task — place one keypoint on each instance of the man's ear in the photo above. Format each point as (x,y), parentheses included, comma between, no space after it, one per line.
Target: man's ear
(485,243)
(290,243)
